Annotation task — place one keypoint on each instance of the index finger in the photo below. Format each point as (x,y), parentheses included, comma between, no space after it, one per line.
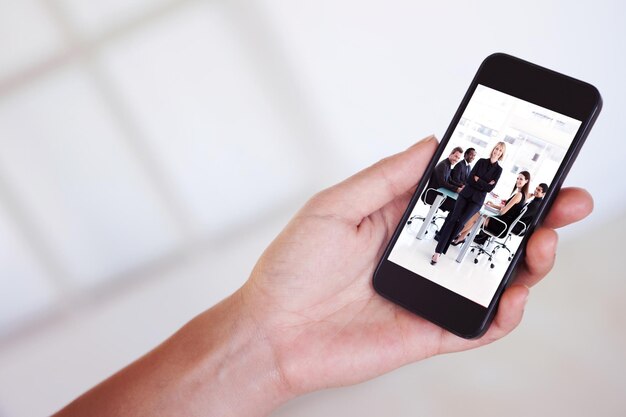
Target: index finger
(369,190)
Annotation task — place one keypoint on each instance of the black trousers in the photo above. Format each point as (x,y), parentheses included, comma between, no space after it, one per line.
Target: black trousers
(463,210)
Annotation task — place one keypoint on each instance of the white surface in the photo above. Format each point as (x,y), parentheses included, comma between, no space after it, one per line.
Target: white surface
(478,282)
(91,18)
(211,123)
(27,289)
(326,87)
(74,175)
(27,36)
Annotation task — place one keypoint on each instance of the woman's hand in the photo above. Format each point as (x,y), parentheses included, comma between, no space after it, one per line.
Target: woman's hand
(308,317)
(312,294)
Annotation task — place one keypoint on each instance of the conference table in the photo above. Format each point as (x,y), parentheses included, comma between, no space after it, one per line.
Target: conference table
(485,212)
(444,193)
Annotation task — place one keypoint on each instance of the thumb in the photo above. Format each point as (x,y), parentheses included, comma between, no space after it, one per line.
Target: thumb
(367,191)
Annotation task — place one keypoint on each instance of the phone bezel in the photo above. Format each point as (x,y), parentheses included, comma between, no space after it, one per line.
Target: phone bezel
(529,82)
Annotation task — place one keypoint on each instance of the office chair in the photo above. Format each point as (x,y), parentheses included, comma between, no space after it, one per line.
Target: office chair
(506,231)
(434,194)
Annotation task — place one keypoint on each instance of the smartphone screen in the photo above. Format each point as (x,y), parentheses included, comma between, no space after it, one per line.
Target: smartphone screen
(498,168)
(536,141)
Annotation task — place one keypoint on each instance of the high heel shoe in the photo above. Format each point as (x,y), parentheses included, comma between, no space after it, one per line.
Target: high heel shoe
(460,242)
(433,261)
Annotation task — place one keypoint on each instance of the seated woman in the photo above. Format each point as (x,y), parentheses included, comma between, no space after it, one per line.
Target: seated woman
(508,211)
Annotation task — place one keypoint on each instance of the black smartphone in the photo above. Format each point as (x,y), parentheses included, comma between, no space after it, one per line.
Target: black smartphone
(492,179)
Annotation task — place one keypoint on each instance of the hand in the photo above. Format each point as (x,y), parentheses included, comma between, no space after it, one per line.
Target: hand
(492,182)
(308,317)
(311,292)
(476,178)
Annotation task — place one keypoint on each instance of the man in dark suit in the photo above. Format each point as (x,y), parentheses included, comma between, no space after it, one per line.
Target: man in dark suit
(442,178)
(461,171)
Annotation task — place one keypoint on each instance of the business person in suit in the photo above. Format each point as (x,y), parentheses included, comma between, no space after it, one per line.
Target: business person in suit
(442,178)
(461,171)
(483,178)
(532,206)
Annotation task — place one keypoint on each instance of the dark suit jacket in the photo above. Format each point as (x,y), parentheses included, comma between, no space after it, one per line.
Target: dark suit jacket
(486,172)
(460,172)
(441,176)
(533,206)
(531,210)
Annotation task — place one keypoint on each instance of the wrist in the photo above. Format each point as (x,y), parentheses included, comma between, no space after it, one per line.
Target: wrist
(218,364)
(239,367)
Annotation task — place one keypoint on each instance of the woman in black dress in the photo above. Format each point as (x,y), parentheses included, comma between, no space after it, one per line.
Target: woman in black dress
(482,179)
(508,211)
(513,206)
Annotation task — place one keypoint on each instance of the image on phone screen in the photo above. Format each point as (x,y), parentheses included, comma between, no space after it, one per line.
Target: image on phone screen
(533,141)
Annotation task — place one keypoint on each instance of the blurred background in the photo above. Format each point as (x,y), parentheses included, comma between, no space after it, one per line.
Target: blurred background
(151,149)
